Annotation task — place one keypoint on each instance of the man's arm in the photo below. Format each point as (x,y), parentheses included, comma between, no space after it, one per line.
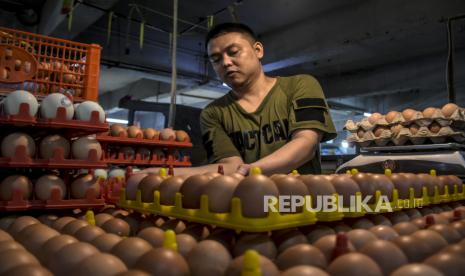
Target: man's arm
(298,151)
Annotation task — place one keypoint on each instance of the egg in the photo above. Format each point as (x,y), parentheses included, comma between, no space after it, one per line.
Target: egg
(447,232)
(449,109)
(258,242)
(182,136)
(304,270)
(134,132)
(345,187)
(386,254)
(217,255)
(61,222)
(150,133)
(45,184)
(457,249)
(384,232)
(82,184)
(395,129)
(360,237)
(416,269)
(366,185)
(405,228)
(459,226)
(431,238)
(185,243)
(191,190)
(106,242)
(51,103)
(415,182)
(413,213)
(148,185)
(72,227)
(13,183)
(117,226)
(428,182)
(12,258)
(13,100)
(360,133)
(167,134)
(319,231)
(447,263)
(82,146)
(89,233)
(100,264)
(317,185)
(414,249)
(352,264)
(220,191)
(34,236)
(197,231)
(291,186)
(12,141)
(52,142)
(85,109)
(176,225)
(168,189)
(69,256)
(153,235)
(391,116)
(118,130)
(402,184)
(362,223)
(161,261)
(408,114)
(129,250)
(328,244)
(378,131)
(4,236)
(380,220)
(374,118)
(267,267)
(429,112)
(301,254)
(28,269)
(414,129)
(435,127)
(252,191)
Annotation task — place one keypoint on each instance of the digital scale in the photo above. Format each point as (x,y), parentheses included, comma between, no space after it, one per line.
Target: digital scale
(444,158)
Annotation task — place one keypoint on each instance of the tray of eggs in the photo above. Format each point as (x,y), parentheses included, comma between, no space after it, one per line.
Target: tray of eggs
(145,156)
(134,135)
(432,125)
(54,111)
(50,191)
(19,149)
(232,201)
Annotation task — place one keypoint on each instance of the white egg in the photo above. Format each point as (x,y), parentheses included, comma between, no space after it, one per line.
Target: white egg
(50,104)
(102,173)
(14,99)
(81,147)
(117,173)
(16,139)
(85,109)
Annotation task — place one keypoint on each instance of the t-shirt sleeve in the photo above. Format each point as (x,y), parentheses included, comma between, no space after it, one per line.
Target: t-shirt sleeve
(309,109)
(216,142)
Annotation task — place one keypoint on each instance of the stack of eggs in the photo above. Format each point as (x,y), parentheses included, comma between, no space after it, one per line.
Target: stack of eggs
(166,134)
(432,125)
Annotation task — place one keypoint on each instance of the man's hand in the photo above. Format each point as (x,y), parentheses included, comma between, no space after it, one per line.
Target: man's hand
(244,169)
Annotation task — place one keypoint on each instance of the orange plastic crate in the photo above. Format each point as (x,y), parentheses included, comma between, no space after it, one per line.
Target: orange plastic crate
(62,65)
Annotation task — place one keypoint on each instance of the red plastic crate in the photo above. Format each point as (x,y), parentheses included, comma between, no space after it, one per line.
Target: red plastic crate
(62,65)
(139,141)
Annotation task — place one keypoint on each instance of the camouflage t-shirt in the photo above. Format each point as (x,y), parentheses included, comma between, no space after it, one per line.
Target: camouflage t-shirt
(295,102)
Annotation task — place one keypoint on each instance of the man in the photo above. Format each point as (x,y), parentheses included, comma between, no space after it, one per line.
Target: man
(272,123)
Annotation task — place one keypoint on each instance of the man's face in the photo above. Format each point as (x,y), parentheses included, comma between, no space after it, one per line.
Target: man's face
(235,58)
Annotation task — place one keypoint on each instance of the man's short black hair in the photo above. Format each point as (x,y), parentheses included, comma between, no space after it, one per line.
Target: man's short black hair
(229,27)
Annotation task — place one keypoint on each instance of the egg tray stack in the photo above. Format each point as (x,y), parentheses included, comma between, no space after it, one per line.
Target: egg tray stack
(417,130)
(40,126)
(276,220)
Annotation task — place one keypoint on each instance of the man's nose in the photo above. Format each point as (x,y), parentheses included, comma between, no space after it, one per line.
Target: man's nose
(227,61)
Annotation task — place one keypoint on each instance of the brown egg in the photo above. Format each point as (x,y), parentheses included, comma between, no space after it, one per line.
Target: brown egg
(29,269)
(267,267)
(386,254)
(161,261)
(4,236)
(458,249)
(374,118)
(128,153)
(366,185)
(449,109)
(148,185)
(150,133)
(133,219)
(134,132)
(345,187)
(445,181)
(106,242)
(20,223)
(82,146)
(224,236)
(378,131)
(132,185)
(217,255)
(286,238)
(197,231)
(237,176)
(212,175)
(167,134)
(220,191)
(437,219)
(413,213)
(256,241)
(10,244)
(152,235)
(72,227)
(301,254)
(100,264)
(82,184)
(15,182)
(457,181)
(391,116)
(89,233)
(447,232)
(319,231)
(362,223)
(431,238)
(415,183)
(340,227)
(395,129)
(380,220)
(416,269)
(405,228)
(5,222)
(360,237)
(402,184)
(15,258)
(191,190)
(13,140)
(398,217)
(352,264)
(429,112)
(168,189)
(291,186)
(118,130)
(117,226)
(47,219)
(70,255)
(384,232)
(129,250)
(176,225)
(360,133)
(383,184)
(447,263)
(34,236)
(414,129)
(327,244)
(435,127)
(459,226)
(304,270)
(408,114)
(101,218)
(182,136)
(52,142)
(185,243)
(414,249)
(61,222)
(133,272)
(317,185)
(252,191)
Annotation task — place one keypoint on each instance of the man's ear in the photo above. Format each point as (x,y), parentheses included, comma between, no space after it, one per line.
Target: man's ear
(258,48)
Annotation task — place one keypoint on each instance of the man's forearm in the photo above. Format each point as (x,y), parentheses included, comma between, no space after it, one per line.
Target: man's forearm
(228,168)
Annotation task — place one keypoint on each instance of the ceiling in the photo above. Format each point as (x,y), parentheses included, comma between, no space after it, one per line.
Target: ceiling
(368,55)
